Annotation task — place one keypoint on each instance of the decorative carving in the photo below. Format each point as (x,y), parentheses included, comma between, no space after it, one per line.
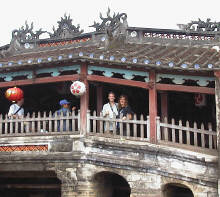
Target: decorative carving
(65,29)
(180,79)
(68,176)
(200,26)
(109,22)
(19,36)
(115,28)
(26,33)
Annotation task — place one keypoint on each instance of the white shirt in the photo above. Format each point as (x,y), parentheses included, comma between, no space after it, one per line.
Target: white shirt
(107,109)
(13,108)
(111,111)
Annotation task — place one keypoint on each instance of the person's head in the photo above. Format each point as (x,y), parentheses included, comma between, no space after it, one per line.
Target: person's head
(64,103)
(111,96)
(20,102)
(123,101)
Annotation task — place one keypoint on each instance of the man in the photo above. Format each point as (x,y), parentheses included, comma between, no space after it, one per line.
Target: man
(64,109)
(110,110)
(16,109)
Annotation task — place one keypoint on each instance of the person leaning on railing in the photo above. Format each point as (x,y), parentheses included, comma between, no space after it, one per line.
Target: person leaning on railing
(16,109)
(125,112)
(110,110)
(65,108)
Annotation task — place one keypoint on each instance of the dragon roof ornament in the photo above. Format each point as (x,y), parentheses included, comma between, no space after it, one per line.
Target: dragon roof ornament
(26,33)
(201,26)
(109,22)
(65,29)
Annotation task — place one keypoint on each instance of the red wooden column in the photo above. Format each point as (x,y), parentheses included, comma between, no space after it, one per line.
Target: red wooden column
(152,106)
(84,99)
(99,98)
(164,104)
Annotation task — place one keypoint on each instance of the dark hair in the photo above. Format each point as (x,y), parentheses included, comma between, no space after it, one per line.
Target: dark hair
(126,101)
(111,93)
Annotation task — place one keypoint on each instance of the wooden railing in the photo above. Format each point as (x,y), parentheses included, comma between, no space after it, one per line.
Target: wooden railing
(180,133)
(39,123)
(137,129)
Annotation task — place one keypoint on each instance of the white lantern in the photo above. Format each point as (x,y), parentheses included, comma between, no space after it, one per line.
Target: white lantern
(78,88)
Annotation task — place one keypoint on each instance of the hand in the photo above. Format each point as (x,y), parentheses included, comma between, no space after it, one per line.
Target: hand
(124,118)
(73,108)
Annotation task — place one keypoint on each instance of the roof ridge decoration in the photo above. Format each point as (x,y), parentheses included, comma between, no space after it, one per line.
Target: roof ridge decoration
(65,29)
(20,39)
(115,28)
(201,26)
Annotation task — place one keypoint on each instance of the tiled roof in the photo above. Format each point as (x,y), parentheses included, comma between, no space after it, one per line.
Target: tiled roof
(148,51)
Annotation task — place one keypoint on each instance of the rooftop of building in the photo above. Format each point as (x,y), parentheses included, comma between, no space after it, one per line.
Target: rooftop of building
(195,47)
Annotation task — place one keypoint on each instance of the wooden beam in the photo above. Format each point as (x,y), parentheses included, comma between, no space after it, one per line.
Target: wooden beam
(84,99)
(126,82)
(30,186)
(182,88)
(40,80)
(153,107)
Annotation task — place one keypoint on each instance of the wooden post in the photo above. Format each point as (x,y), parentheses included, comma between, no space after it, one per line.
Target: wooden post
(84,99)
(164,105)
(217,100)
(152,106)
(99,98)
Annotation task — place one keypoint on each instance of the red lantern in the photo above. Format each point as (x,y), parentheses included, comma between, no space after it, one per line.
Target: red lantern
(14,94)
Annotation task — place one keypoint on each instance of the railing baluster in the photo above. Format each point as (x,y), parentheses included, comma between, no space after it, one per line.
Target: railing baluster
(121,126)
(6,125)
(148,127)
(1,124)
(27,123)
(114,124)
(22,123)
(135,126)
(158,128)
(180,132)
(173,131)
(94,123)
(88,121)
(203,135)
(195,134)
(165,129)
(61,116)
(187,133)
(73,119)
(55,122)
(16,124)
(210,136)
(44,121)
(142,126)
(67,121)
(38,122)
(33,123)
(50,122)
(101,123)
(128,132)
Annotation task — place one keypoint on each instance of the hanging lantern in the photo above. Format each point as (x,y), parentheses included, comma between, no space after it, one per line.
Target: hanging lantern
(78,88)
(200,100)
(14,94)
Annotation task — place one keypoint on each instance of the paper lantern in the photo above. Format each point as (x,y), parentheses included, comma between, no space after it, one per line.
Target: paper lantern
(14,94)
(78,88)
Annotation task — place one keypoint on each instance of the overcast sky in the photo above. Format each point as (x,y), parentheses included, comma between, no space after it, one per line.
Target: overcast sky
(141,13)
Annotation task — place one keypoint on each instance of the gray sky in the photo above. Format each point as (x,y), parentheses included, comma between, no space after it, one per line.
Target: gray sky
(141,13)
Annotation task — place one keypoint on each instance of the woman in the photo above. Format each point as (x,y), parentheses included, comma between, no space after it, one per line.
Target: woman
(124,109)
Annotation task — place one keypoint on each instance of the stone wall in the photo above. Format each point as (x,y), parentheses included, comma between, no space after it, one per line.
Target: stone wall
(146,168)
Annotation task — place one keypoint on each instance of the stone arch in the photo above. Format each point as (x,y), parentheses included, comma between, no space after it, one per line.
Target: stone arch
(110,184)
(176,190)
